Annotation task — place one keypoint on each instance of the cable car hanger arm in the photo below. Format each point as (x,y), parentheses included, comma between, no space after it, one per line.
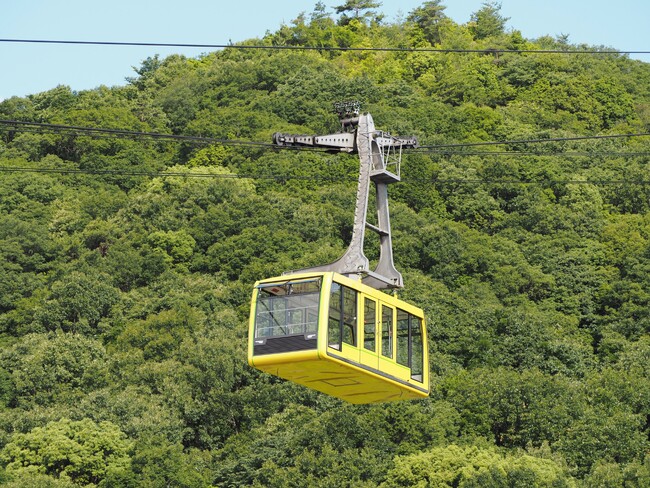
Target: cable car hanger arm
(380,158)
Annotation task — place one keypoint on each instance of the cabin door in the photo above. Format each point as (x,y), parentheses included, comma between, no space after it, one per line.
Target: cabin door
(343,323)
(369,343)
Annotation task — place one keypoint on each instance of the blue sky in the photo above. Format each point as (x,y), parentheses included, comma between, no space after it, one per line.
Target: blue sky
(32,68)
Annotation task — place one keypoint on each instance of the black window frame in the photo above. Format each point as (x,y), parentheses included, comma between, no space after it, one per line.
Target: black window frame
(413,323)
(344,324)
(387,336)
(370,328)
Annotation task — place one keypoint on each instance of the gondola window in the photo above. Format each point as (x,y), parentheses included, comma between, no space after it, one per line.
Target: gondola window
(285,309)
(369,324)
(342,323)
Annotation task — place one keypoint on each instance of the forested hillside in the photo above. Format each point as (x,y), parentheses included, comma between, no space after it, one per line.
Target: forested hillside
(127,262)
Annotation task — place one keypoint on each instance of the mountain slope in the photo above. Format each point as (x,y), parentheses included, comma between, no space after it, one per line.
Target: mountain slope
(124,297)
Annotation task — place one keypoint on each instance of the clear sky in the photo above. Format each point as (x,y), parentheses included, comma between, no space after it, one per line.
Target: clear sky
(32,68)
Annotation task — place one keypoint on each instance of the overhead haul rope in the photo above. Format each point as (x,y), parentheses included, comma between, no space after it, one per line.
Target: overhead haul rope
(321,48)
(24,126)
(443,149)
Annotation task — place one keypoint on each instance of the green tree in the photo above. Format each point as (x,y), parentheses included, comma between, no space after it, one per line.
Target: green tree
(357,7)
(606,474)
(319,14)
(36,480)
(157,462)
(515,409)
(139,413)
(160,335)
(81,451)
(177,245)
(488,21)
(54,367)
(78,303)
(596,436)
(145,72)
(428,18)
(475,467)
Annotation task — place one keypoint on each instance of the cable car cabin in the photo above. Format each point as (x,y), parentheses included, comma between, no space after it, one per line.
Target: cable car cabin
(339,336)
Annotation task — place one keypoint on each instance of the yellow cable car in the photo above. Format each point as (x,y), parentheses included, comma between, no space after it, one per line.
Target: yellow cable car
(322,328)
(339,336)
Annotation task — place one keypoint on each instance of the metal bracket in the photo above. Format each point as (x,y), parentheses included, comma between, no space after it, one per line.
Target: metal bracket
(380,158)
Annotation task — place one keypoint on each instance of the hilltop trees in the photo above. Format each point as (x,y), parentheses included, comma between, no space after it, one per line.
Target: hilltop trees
(357,6)
(124,292)
(429,18)
(488,21)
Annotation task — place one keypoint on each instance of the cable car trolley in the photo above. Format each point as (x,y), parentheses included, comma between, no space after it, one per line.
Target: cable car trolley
(330,327)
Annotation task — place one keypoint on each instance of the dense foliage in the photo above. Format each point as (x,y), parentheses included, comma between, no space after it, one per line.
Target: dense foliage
(124,297)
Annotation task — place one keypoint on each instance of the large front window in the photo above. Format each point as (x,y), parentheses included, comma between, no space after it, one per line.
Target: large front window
(289,308)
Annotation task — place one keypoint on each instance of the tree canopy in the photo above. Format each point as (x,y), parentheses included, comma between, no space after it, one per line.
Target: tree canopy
(127,262)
